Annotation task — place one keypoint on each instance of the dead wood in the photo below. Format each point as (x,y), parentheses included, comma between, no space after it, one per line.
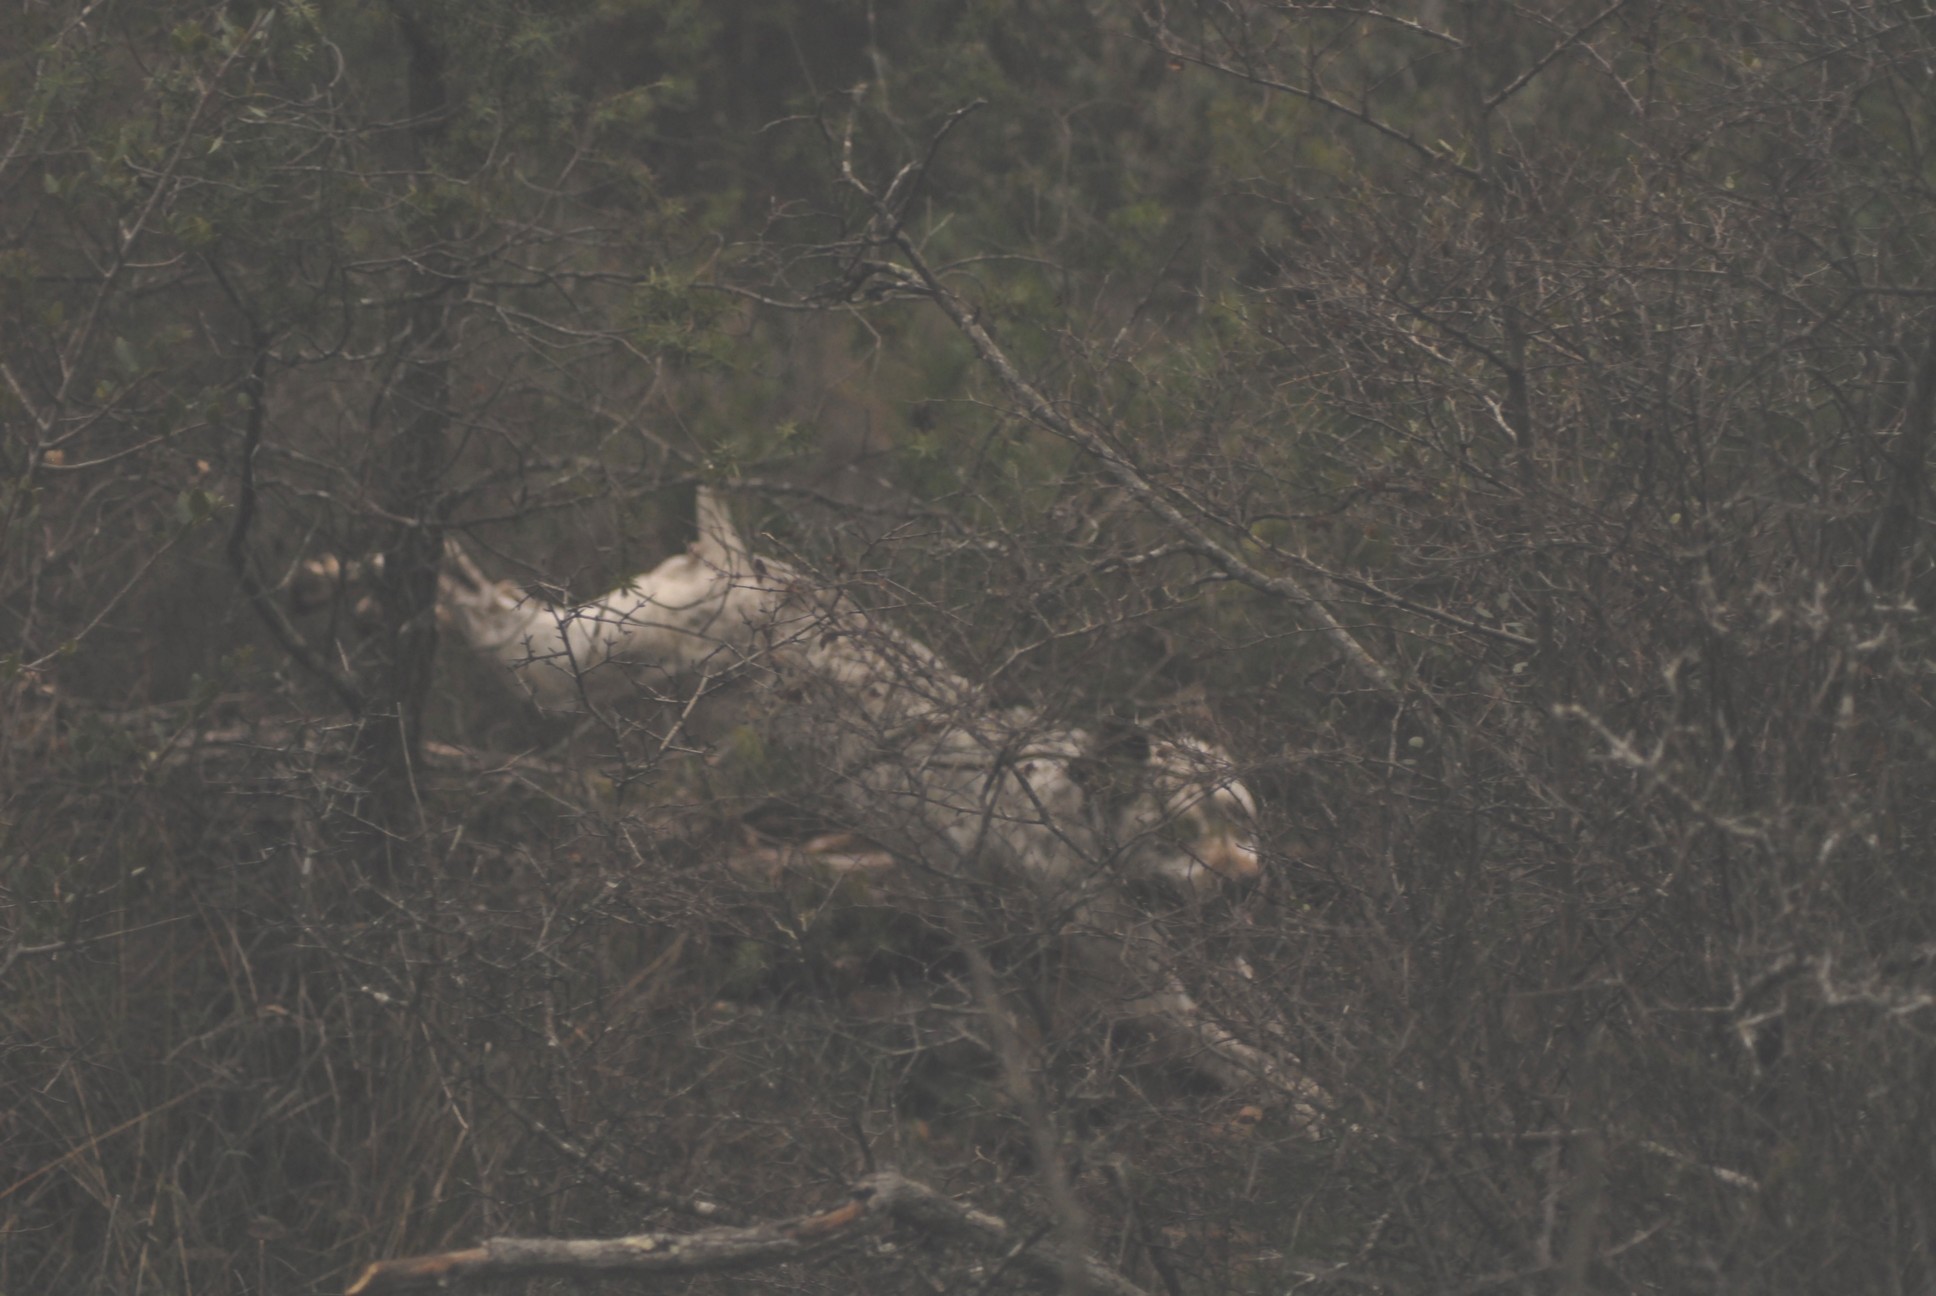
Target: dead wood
(875,1201)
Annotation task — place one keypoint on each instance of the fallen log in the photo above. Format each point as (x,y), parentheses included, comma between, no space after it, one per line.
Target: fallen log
(876,1201)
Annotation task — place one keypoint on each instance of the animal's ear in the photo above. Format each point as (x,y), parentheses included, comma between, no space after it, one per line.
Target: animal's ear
(719,542)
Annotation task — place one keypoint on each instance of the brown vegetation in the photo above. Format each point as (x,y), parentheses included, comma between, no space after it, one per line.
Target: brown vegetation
(1501,427)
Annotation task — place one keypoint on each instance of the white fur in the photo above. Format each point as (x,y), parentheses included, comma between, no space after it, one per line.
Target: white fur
(913,743)
(915,754)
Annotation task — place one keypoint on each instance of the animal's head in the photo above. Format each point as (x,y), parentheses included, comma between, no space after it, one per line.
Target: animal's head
(1174,809)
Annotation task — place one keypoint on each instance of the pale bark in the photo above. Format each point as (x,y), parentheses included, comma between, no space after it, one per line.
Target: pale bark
(874,1201)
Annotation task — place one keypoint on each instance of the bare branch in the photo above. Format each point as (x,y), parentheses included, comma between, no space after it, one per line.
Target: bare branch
(1438,157)
(1560,46)
(877,1200)
(1073,429)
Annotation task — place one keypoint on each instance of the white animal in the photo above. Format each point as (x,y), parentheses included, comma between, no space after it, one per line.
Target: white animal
(917,758)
